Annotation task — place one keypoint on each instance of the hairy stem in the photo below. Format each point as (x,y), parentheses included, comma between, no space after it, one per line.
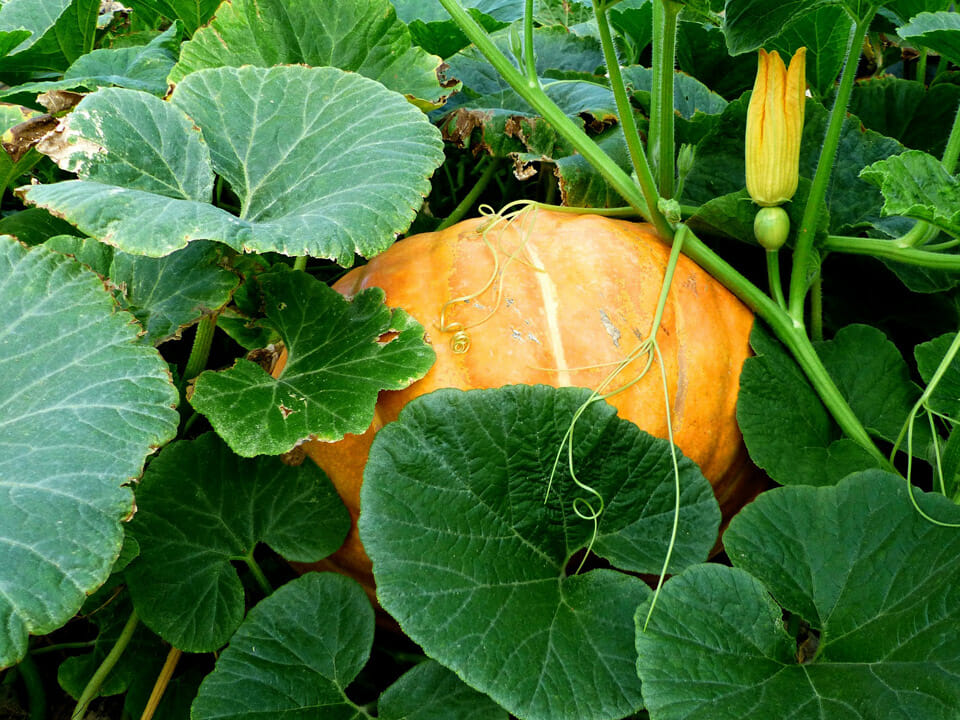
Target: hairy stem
(888,250)
(529,58)
(200,352)
(800,275)
(32,682)
(660,140)
(773,277)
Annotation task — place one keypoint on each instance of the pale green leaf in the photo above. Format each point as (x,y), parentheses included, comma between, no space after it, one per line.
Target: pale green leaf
(936,31)
(324,162)
(60,32)
(81,406)
(362,36)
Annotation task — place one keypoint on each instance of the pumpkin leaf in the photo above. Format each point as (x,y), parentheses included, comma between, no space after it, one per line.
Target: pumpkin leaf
(60,31)
(946,396)
(907,111)
(936,31)
(916,185)
(362,36)
(200,508)
(786,428)
(336,166)
(10,168)
(341,355)
(749,24)
(878,601)
(299,650)
(433,30)
(142,67)
(825,32)
(470,550)
(190,13)
(702,53)
(81,406)
(165,294)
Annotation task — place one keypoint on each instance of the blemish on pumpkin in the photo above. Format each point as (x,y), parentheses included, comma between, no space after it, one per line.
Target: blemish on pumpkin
(516,334)
(612,330)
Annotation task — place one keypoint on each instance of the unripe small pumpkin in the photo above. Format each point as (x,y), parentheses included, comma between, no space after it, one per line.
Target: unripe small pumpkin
(583,295)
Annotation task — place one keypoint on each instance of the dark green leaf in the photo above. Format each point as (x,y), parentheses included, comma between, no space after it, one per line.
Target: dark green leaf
(580,183)
(142,67)
(34,226)
(946,397)
(362,36)
(200,508)
(873,577)
(825,32)
(786,428)
(917,185)
(294,655)
(937,31)
(690,96)
(429,691)
(81,406)
(324,162)
(634,20)
(907,111)
(749,24)
(702,53)
(434,30)
(191,13)
(61,31)
(341,355)
(470,549)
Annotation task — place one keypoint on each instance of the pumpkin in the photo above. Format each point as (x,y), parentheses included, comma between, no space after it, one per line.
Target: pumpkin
(557,298)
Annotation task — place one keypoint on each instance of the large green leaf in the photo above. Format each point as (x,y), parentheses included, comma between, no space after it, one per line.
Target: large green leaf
(907,111)
(191,13)
(473,547)
(749,24)
(434,30)
(165,294)
(60,32)
(142,67)
(299,650)
(81,406)
(362,36)
(939,31)
(907,9)
(341,354)
(200,508)
(824,32)
(875,580)
(323,162)
(785,425)
(915,184)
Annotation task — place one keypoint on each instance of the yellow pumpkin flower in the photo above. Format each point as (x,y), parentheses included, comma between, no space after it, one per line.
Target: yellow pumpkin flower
(774,127)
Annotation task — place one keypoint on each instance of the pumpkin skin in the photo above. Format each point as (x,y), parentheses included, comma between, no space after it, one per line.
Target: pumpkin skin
(594,299)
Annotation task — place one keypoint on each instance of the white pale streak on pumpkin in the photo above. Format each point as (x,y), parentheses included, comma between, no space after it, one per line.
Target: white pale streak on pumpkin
(548,290)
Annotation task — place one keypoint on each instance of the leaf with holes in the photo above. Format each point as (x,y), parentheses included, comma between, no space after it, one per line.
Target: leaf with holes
(341,354)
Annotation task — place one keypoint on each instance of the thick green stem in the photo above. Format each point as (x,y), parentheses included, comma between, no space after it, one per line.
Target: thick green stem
(300,263)
(200,352)
(660,139)
(803,253)
(773,277)
(36,696)
(258,575)
(100,676)
(529,58)
(816,308)
(793,336)
(952,150)
(888,250)
(460,210)
(643,199)
(624,109)
(922,66)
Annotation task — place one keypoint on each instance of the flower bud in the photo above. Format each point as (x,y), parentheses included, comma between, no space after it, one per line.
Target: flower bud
(774,128)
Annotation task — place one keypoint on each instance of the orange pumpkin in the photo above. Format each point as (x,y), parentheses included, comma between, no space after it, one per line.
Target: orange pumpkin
(573,295)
